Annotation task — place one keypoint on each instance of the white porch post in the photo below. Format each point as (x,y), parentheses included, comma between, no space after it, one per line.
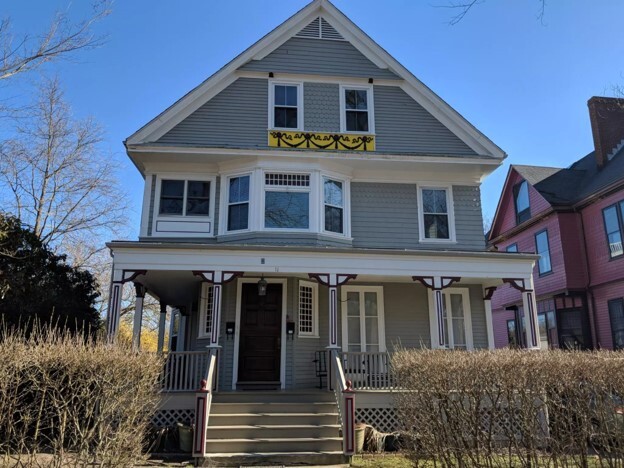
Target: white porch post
(138,316)
(114,305)
(161,326)
(487,301)
(530,315)
(437,284)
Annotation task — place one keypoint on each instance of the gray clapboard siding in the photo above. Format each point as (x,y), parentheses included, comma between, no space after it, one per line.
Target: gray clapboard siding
(236,117)
(321,107)
(403,125)
(384,216)
(319,57)
(150,217)
(477,310)
(406,316)
(468,217)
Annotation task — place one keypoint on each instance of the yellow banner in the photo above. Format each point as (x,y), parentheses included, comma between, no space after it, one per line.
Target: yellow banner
(326,141)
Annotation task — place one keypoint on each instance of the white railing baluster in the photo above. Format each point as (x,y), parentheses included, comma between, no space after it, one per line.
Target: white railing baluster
(184,370)
(369,370)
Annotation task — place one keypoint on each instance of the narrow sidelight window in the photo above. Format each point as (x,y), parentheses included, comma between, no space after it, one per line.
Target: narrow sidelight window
(616,316)
(334,205)
(521,198)
(238,203)
(435,214)
(308,309)
(542,248)
(185,197)
(286,106)
(206,304)
(356,107)
(614,228)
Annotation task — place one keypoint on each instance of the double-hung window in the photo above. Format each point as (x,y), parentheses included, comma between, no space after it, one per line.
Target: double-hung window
(184,197)
(333,202)
(356,103)
(286,201)
(436,215)
(542,248)
(238,203)
(616,316)
(614,227)
(521,201)
(286,106)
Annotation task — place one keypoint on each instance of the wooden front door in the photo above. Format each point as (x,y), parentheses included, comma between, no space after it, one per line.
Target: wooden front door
(260,334)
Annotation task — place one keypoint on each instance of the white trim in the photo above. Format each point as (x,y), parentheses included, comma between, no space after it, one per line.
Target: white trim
(315,309)
(451,214)
(239,293)
(166,120)
(271,103)
(370,107)
(183,218)
(381,325)
(203,307)
(465,293)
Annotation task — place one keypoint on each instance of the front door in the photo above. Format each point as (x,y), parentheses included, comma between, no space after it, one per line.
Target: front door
(260,334)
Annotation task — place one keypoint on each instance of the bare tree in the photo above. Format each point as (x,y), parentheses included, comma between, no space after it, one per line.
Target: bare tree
(56,179)
(463,7)
(19,54)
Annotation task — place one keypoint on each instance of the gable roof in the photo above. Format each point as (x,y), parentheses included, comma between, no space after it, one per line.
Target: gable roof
(566,187)
(346,29)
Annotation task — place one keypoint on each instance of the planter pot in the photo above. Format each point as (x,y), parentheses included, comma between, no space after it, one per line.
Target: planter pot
(185,434)
(360,431)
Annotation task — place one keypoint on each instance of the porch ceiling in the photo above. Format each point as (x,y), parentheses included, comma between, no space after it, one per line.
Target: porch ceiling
(175,288)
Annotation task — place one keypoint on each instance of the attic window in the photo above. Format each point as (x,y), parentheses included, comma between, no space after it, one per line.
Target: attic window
(521,198)
(285,99)
(356,109)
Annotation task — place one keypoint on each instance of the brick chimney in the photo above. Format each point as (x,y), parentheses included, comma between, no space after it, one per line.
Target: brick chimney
(607,121)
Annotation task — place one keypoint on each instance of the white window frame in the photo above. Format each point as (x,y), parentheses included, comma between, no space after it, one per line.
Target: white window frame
(186,178)
(451,214)
(225,202)
(314,286)
(343,207)
(433,320)
(204,296)
(370,102)
(380,316)
(299,85)
(312,209)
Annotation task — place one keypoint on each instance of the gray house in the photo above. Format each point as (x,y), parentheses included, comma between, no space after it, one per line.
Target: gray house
(307,209)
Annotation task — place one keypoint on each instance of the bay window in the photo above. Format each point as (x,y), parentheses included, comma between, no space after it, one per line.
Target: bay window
(333,202)
(238,203)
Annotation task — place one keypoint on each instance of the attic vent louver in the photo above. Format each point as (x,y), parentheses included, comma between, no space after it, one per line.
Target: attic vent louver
(320,29)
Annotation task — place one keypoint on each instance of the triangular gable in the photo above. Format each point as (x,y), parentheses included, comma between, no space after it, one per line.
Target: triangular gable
(505,215)
(348,31)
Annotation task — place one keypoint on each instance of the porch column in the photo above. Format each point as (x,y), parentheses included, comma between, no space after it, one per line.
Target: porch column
(138,316)
(530,316)
(437,284)
(217,279)
(487,301)
(161,326)
(332,281)
(114,305)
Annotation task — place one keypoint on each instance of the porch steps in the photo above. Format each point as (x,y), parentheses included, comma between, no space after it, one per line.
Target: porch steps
(274,428)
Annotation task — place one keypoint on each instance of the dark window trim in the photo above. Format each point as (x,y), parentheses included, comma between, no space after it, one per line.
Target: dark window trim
(543,273)
(618,213)
(520,216)
(621,300)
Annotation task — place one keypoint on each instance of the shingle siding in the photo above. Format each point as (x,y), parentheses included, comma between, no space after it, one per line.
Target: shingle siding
(319,57)
(403,125)
(321,107)
(236,117)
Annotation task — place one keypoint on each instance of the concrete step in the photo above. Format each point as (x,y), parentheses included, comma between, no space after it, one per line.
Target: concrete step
(254,419)
(272,431)
(274,445)
(274,397)
(322,458)
(278,407)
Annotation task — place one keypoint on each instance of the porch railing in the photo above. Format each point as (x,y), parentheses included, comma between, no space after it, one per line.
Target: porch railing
(345,398)
(184,371)
(368,371)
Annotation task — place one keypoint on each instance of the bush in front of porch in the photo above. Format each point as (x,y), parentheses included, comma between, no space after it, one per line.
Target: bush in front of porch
(511,407)
(79,401)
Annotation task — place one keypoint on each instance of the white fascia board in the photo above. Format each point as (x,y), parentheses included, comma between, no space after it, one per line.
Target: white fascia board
(270,261)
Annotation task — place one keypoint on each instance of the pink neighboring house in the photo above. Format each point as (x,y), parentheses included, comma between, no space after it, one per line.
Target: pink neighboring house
(574,218)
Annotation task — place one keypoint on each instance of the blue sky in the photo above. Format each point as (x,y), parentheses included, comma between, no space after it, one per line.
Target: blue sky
(522,82)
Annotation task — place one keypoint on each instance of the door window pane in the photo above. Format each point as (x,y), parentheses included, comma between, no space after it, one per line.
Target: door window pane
(363,321)
(616,315)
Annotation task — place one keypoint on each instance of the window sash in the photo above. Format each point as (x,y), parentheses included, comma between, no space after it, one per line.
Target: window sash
(542,248)
(436,222)
(357,117)
(333,216)
(363,325)
(613,220)
(238,203)
(186,205)
(286,107)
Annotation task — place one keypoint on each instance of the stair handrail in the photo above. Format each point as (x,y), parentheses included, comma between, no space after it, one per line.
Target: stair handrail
(345,397)
(203,401)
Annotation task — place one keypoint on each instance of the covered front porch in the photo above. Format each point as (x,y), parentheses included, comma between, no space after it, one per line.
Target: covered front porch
(271,313)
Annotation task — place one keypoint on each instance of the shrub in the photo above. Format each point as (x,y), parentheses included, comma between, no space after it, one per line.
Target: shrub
(511,407)
(78,400)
